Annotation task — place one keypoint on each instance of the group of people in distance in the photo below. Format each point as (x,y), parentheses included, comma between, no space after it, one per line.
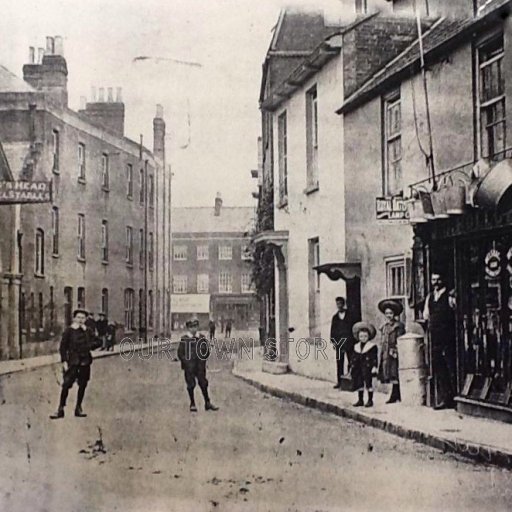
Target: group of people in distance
(354,339)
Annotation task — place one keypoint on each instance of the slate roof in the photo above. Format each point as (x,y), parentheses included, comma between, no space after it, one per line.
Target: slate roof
(202,219)
(9,82)
(444,31)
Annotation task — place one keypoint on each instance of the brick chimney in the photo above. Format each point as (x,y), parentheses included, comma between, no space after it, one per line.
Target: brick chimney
(218,204)
(50,73)
(159,133)
(107,114)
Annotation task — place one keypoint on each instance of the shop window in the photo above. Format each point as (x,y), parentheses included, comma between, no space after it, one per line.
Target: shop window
(393,179)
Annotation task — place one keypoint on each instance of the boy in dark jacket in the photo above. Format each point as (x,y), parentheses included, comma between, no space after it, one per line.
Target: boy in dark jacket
(75,352)
(193,351)
(364,361)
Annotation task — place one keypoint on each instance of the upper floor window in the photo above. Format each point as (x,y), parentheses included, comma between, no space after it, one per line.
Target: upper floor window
(55,231)
(55,151)
(150,251)
(246,284)
(179,284)
(142,186)
(282,150)
(104,240)
(393,179)
(312,138)
(81,237)
(203,283)
(129,305)
(141,248)
(203,252)
(491,97)
(39,253)
(180,252)
(104,301)
(151,190)
(80,298)
(129,245)
(105,179)
(81,162)
(225,252)
(129,181)
(225,282)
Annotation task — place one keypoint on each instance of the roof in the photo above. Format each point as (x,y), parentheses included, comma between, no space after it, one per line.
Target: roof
(202,219)
(444,31)
(9,82)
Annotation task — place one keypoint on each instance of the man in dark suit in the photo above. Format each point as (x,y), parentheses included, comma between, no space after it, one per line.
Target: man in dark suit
(75,352)
(341,337)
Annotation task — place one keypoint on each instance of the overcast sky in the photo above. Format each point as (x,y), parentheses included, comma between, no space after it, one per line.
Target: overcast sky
(228,38)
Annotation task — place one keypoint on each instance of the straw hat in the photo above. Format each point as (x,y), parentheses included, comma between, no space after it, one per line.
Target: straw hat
(364,326)
(394,305)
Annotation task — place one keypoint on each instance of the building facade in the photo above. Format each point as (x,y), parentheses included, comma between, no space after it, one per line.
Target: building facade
(100,243)
(212,266)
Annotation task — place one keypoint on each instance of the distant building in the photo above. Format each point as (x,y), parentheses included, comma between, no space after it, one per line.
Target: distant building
(212,266)
(87,248)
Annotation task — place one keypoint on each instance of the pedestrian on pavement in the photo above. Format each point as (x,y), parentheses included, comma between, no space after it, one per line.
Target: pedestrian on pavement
(390,331)
(111,335)
(341,337)
(193,352)
(91,323)
(364,361)
(222,324)
(229,326)
(211,328)
(101,328)
(75,352)
(439,312)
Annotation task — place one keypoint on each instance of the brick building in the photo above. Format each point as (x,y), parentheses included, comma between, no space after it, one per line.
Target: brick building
(106,232)
(212,266)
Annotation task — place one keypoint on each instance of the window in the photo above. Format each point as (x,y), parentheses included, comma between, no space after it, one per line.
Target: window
(151,251)
(150,309)
(246,252)
(81,236)
(151,190)
(105,172)
(68,305)
(225,252)
(179,284)
(104,301)
(81,162)
(395,280)
(203,252)
(246,283)
(314,287)
(203,283)
(393,183)
(80,298)
(282,148)
(55,151)
(141,309)
(104,241)
(128,309)
(142,188)
(180,253)
(141,248)
(491,97)
(40,312)
(361,6)
(225,282)
(129,245)
(55,231)
(52,310)
(129,181)
(312,138)
(39,256)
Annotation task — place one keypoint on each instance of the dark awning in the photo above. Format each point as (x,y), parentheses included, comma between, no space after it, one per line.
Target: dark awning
(336,271)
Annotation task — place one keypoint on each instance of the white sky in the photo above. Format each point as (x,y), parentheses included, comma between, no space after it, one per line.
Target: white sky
(228,37)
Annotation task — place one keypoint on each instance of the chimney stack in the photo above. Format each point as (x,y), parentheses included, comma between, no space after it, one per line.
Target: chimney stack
(31,55)
(40,55)
(159,134)
(218,204)
(109,114)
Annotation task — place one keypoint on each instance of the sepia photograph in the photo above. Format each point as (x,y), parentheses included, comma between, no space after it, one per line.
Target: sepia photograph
(256,256)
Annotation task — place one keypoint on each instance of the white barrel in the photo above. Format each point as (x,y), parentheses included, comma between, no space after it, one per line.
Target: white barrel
(412,369)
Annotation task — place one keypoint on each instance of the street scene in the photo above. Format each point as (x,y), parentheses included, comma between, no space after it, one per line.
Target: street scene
(256,255)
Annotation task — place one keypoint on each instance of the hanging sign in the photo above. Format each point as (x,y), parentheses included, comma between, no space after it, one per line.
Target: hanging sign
(25,192)
(392,209)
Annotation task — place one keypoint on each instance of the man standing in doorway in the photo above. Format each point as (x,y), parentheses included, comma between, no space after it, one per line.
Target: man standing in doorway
(440,315)
(341,337)
(75,352)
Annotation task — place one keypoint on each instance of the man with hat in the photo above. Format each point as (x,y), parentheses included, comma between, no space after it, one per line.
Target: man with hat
(193,351)
(341,337)
(75,352)
(364,361)
(390,331)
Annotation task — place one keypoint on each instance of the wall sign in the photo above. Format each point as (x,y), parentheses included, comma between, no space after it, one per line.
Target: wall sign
(391,209)
(25,192)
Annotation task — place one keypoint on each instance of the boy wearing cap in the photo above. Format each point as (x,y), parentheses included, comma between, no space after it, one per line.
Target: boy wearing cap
(75,352)
(364,361)
(193,351)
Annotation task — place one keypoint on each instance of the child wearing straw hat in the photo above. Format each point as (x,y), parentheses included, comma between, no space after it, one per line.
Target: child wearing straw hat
(364,362)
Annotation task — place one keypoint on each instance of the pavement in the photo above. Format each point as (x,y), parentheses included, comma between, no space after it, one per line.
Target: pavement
(480,439)
(141,450)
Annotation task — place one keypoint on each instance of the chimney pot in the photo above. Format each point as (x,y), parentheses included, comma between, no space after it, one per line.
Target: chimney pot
(58,46)
(218,204)
(110,94)
(119,95)
(101,98)
(31,55)
(50,45)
